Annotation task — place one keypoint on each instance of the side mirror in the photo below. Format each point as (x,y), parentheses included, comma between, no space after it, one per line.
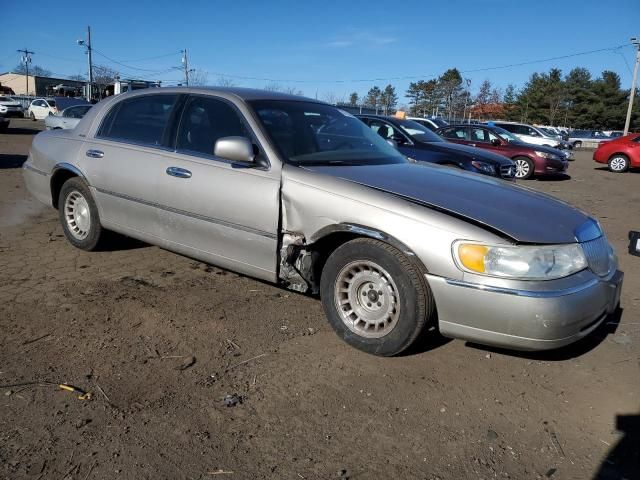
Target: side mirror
(496,142)
(237,149)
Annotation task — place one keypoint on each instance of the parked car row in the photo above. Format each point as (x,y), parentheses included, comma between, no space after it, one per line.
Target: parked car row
(296,192)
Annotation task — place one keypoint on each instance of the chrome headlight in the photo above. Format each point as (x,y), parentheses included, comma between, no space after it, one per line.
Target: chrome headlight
(550,156)
(524,262)
(484,167)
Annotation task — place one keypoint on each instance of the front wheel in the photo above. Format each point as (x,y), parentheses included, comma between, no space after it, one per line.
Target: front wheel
(524,168)
(618,163)
(32,116)
(79,215)
(374,297)
(577,144)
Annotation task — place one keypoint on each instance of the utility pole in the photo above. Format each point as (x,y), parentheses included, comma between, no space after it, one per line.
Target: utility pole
(635,41)
(26,59)
(87,44)
(185,64)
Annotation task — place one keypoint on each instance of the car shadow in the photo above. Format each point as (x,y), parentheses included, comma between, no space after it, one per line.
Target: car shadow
(560,177)
(11,161)
(114,242)
(21,131)
(577,349)
(606,169)
(623,460)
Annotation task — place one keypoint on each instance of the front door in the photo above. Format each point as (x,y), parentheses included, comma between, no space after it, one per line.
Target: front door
(221,211)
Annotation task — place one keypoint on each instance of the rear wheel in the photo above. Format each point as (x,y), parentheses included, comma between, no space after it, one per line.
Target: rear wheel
(524,168)
(618,163)
(577,144)
(79,215)
(374,297)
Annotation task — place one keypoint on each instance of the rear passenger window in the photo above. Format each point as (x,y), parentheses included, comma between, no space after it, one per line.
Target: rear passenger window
(139,120)
(204,121)
(459,133)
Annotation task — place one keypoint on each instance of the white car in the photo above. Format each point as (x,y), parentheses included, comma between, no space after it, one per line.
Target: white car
(432,123)
(529,134)
(41,108)
(10,107)
(66,119)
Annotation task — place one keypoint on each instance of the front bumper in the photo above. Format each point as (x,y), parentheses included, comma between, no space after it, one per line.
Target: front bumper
(551,167)
(13,112)
(552,315)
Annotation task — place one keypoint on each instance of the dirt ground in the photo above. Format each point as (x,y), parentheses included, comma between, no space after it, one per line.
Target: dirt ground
(160,340)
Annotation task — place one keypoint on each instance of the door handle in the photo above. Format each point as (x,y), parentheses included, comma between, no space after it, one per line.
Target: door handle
(95,153)
(178,172)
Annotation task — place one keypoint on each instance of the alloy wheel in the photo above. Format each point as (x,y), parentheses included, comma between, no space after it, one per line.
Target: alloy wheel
(618,164)
(522,168)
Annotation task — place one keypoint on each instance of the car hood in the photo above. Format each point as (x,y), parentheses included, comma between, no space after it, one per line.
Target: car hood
(471,153)
(11,104)
(518,213)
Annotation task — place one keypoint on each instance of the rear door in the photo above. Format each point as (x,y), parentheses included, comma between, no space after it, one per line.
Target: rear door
(222,211)
(123,160)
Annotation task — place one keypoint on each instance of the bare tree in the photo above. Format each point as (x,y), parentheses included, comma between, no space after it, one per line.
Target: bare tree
(36,70)
(224,81)
(198,77)
(332,98)
(276,87)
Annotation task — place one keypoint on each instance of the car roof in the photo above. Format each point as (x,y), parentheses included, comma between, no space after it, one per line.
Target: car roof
(240,92)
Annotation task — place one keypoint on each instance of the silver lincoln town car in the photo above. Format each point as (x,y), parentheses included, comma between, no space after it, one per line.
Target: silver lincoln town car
(300,193)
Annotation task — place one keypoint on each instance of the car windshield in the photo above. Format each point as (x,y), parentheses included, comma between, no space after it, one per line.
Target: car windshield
(308,133)
(418,131)
(505,135)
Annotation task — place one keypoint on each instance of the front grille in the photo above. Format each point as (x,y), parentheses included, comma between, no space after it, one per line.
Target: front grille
(507,171)
(598,255)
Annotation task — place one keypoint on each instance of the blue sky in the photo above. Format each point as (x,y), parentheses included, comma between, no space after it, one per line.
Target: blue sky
(324,47)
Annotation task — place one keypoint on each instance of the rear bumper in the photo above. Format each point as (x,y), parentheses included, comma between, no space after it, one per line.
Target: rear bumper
(525,319)
(38,182)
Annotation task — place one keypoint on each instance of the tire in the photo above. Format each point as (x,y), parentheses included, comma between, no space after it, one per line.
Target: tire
(618,163)
(374,297)
(78,215)
(32,116)
(577,144)
(524,168)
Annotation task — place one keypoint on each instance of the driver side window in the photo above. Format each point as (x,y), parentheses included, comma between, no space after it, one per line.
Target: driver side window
(385,130)
(204,121)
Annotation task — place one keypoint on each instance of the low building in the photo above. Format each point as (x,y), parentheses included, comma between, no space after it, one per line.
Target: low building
(39,86)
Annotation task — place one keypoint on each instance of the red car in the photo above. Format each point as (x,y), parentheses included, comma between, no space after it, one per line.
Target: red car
(530,159)
(620,154)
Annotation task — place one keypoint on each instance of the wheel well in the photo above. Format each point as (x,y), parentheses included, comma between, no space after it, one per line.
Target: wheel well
(619,154)
(325,246)
(58,179)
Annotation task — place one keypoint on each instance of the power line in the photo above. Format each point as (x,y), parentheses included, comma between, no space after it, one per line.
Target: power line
(410,77)
(123,64)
